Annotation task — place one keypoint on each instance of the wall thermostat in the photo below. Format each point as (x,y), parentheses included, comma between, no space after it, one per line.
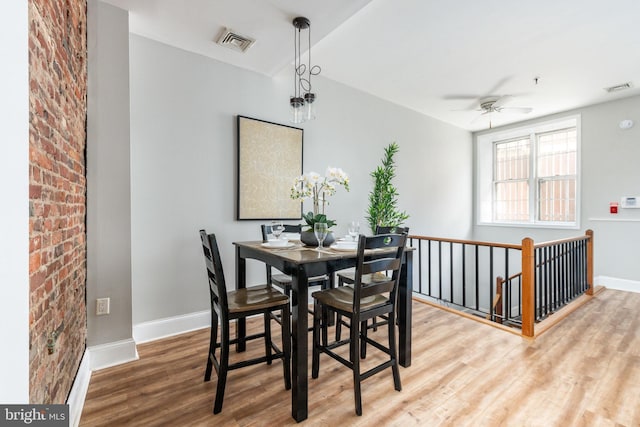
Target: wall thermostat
(630,202)
(626,124)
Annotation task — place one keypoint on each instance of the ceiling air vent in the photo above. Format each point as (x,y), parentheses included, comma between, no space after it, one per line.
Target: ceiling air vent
(235,41)
(618,88)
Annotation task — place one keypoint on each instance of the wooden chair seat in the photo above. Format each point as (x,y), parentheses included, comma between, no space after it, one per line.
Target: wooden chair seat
(255,298)
(350,277)
(341,298)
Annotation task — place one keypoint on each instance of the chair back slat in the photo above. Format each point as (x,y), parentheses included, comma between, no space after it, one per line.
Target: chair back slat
(380,229)
(389,263)
(215,274)
(288,228)
(382,264)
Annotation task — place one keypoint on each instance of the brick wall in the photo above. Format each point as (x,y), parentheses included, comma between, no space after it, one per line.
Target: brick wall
(57,250)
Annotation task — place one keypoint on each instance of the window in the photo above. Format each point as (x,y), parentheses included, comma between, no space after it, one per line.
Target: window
(529,176)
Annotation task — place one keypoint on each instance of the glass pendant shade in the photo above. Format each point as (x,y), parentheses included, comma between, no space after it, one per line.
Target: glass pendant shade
(297,108)
(310,102)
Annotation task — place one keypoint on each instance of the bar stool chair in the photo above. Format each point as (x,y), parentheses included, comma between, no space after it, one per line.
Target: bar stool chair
(348,277)
(240,304)
(363,301)
(283,281)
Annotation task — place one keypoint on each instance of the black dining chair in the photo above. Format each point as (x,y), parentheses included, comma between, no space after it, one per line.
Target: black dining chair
(365,300)
(281,280)
(227,306)
(348,277)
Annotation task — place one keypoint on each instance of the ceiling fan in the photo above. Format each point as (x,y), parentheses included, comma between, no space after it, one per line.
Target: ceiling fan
(494,104)
(490,104)
(497,105)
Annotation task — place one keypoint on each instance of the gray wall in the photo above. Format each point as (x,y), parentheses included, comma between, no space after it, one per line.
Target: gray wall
(108,177)
(183,144)
(609,170)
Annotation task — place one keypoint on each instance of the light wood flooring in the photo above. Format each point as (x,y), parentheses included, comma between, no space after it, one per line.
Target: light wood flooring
(585,371)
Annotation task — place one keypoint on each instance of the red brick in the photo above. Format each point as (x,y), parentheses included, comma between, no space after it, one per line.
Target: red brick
(57,184)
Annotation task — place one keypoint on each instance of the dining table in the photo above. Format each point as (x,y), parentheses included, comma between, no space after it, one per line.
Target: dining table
(302,262)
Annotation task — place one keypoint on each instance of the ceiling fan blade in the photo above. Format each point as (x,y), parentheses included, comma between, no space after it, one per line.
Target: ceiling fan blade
(502,101)
(523,110)
(499,84)
(459,97)
(479,117)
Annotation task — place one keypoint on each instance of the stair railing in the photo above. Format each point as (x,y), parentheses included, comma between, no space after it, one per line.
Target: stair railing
(468,275)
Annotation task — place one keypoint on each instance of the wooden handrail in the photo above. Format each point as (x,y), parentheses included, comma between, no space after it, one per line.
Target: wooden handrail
(567,240)
(466,242)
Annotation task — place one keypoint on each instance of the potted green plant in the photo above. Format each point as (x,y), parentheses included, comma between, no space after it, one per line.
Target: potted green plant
(316,187)
(383,199)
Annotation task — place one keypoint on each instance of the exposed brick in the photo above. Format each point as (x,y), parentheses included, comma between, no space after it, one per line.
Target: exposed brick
(57,248)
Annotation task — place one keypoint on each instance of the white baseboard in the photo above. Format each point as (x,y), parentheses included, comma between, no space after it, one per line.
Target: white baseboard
(113,353)
(162,328)
(618,284)
(79,389)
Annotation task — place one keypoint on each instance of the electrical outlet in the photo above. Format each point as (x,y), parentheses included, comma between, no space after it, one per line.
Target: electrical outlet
(102,306)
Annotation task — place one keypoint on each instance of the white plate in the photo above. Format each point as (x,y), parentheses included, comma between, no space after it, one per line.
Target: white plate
(344,247)
(269,245)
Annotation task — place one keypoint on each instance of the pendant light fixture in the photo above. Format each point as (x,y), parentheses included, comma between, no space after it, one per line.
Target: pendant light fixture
(303,101)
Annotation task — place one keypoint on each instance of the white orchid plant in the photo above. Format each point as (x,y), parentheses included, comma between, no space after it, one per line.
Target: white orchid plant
(318,188)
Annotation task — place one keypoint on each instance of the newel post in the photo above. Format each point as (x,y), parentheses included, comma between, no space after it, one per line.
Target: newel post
(528,287)
(590,262)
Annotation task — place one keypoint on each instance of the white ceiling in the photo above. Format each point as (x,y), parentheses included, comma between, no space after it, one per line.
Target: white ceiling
(433,56)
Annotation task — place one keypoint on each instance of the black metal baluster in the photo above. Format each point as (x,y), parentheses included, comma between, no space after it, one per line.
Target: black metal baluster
(491,278)
(451,271)
(538,282)
(477,280)
(419,264)
(440,270)
(429,267)
(464,276)
(506,297)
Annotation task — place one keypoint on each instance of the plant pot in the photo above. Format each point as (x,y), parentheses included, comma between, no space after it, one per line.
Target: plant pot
(309,238)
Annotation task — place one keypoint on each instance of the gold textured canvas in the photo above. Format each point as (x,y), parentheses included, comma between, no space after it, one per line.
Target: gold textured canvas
(269,159)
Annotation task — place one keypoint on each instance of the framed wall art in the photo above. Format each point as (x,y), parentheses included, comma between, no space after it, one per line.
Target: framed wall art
(269,159)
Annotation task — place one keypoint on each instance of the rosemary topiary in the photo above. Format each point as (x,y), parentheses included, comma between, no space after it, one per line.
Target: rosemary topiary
(383,199)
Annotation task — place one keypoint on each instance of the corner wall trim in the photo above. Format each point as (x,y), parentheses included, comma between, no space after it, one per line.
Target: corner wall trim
(113,353)
(618,284)
(169,326)
(79,389)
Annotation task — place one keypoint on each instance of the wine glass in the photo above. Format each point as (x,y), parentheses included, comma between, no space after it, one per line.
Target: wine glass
(320,230)
(276,229)
(354,229)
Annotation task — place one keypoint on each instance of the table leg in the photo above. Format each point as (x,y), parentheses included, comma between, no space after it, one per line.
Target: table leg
(300,347)
(241,282)
(405,292)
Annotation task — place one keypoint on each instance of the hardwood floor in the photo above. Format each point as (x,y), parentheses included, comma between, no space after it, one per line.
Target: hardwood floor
(585,371)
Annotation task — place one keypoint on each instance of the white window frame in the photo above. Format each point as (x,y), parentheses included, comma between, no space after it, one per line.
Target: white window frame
(485,173)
